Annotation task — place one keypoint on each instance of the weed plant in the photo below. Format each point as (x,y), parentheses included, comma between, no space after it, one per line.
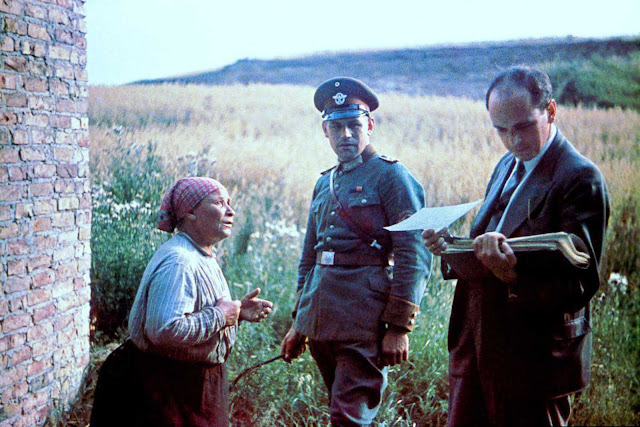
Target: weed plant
(265,144)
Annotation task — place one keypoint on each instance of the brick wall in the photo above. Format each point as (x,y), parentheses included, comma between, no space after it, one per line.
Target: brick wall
(45,207)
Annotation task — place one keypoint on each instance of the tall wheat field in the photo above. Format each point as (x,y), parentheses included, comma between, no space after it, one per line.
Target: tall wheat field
(266,145)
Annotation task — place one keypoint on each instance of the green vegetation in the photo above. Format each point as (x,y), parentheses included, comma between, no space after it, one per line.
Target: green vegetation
(264,143)
(600,81)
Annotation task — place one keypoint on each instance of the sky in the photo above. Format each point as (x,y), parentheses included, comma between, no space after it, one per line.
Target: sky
(131,40)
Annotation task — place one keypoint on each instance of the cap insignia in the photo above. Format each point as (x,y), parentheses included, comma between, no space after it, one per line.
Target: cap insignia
(339,98)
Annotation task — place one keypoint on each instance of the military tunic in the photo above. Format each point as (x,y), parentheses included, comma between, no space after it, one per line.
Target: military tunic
(353,302)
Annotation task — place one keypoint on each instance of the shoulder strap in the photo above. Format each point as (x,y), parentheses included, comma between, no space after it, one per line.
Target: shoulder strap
(366,237)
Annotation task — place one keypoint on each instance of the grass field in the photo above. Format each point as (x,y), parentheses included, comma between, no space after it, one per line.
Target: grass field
(265,144)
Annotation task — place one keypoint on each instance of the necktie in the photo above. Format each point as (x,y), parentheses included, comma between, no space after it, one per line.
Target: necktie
(505,196)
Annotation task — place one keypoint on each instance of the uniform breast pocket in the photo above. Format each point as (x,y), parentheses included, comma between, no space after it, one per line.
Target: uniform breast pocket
(362,200)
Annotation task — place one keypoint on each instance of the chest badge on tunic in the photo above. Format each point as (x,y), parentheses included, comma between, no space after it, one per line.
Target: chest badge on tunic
(339,98)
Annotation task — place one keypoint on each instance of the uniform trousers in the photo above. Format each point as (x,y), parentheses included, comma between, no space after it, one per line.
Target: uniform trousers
(353,377)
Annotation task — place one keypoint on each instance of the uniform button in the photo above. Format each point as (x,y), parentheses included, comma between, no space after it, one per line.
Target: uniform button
(337,186)
(340,173)
(364,201)
(329,239)
(333,212)
(331,227)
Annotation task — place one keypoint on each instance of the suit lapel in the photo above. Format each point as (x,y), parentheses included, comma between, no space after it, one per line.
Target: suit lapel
(534,188)
(484,214)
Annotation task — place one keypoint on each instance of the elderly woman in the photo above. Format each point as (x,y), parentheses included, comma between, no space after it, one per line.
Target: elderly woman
(183,321)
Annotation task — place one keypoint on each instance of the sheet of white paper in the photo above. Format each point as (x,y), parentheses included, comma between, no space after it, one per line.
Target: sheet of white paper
(436,218)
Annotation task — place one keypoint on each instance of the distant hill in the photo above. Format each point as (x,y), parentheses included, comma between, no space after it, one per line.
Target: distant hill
(457,70)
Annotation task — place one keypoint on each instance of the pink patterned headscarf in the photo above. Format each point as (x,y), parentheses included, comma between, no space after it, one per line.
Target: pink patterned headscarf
(182,198)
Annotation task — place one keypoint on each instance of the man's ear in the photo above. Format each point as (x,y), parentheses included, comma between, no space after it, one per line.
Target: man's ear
(551,111)
(372,122)
(324,129)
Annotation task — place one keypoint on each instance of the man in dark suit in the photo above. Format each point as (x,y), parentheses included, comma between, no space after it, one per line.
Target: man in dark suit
(519,341)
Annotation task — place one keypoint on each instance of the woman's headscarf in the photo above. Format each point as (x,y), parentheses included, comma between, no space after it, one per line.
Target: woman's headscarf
(182,198)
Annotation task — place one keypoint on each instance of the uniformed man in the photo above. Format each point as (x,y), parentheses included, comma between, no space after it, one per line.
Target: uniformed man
(355,309)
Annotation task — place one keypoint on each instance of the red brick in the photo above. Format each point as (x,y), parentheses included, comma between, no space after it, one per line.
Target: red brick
(44,171)
(33,48)
(24,210)
(40,120)
(17,247)
(32,154)
(39,331)
(18,304)
(60,121)
(5,213)
(20,137)
(11,6)
(65,106)
(11,193)
(15,392)
(63,154)
(8,118)
(41,136)
(81,43)
(44,207)
(64,36)
(43,312)
(41,189)
(39,261)
(68,171)
(68,203)
(37,67)
(66,271)
(17,173)
(39,102)
(4,174)
(15,26)
(16,63)
(59,87)
(9,155)
(38,366)
(16,284)
(7,342)
(59,52)
(20,356)
(64,186)
(64,72)
(7,44)
(16,100)
(59,16)
(63,254)
(43,346)
(7,81)
(82,75)
(35,11)
(4,307)
(63,219)
(38,32)
(16,267)
(41,224)
(38,296)
(15,322)
(35,85)
(44,278)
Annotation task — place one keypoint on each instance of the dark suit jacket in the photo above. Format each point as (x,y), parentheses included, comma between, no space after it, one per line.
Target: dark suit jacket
(537,341)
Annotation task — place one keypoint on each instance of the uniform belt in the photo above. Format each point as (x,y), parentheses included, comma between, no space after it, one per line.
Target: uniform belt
(349,258)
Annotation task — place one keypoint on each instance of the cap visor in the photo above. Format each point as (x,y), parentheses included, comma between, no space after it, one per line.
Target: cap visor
(344,114)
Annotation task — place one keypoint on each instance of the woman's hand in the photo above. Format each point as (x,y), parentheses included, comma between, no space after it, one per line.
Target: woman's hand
(254,309)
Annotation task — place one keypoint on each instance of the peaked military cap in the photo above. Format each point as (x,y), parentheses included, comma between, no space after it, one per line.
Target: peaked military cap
(344,98)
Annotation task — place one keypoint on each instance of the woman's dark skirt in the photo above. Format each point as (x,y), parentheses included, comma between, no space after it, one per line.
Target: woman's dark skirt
(137,388)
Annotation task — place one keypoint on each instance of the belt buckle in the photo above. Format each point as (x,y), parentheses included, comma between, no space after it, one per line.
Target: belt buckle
(327,258)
